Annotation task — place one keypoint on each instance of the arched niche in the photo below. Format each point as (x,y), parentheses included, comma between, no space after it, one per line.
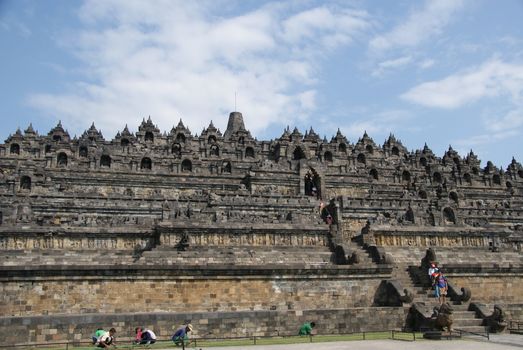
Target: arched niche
(449,216)
(496,179)
(25,183)
(186,166)
(15,148)
(146,163)
(405,176)
(249,152)
(373,174)
(180,138)
(61,159)
(298,154)
(342,148)
(211,139)
(327,156)
(437,178)
(454,196)
(83,152)
(409,215)
(467,178)
(361,158)
(226,167)
(176,149)
(124,142)
(105,161)
(149,136)
(214,151)
(395,151)
(423,161)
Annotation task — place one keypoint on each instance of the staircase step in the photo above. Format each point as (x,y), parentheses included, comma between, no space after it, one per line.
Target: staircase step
(464,314)
(466,322)
(472,329)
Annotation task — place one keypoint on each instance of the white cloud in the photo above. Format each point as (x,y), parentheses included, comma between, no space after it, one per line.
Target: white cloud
(509,122)
(378,124)
(340,26)
(11,23)
(479,142)
(493,78)
(420,26)
(178,59)
(391,65)
(426,63)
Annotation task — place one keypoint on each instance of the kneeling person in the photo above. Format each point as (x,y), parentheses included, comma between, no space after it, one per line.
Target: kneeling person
(106,339)
(148,337)
(306,328)
(181,335)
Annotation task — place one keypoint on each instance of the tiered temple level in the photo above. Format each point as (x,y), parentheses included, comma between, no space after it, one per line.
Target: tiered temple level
(223,223)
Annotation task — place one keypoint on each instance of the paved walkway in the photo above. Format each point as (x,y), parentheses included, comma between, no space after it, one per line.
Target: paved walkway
(497,342)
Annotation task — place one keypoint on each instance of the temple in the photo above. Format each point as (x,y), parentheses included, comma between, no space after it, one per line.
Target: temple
(243,237)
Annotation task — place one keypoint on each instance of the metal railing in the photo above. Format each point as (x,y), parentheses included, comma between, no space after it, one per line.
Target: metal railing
(126,343)
(515,326)
(484,335)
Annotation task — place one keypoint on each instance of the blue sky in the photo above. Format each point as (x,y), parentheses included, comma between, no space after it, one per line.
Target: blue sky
(446,72)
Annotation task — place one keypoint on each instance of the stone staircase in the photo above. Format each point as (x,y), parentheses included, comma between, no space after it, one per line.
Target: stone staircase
(364,257)
(414,279)
(465,320)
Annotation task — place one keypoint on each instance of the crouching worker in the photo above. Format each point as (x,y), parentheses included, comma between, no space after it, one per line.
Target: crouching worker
(181,335)
(306,328)
(138,338)
(106,339)
(148,337)
(97,334)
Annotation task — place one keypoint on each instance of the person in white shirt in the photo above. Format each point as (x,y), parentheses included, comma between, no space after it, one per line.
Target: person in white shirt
(432,272)
(106,339)
(148,337)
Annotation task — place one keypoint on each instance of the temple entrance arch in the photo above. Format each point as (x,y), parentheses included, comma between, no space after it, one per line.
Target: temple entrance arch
(312,183)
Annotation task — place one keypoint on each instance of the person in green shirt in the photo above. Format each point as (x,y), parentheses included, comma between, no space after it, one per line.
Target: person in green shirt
(97,334)
(306,328)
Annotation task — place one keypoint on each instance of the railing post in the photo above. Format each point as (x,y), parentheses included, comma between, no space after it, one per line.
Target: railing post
(254,338)
(310,337)
(414,335)
(363,335)
(392,334)
(67,346)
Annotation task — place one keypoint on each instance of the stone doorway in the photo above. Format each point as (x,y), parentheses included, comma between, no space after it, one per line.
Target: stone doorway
(312,183)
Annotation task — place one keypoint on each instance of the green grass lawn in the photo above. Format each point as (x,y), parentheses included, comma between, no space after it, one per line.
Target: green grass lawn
(259,341)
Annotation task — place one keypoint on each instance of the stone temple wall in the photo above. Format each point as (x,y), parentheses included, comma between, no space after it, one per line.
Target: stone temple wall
(211,325)
(150,291)
(174,222)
